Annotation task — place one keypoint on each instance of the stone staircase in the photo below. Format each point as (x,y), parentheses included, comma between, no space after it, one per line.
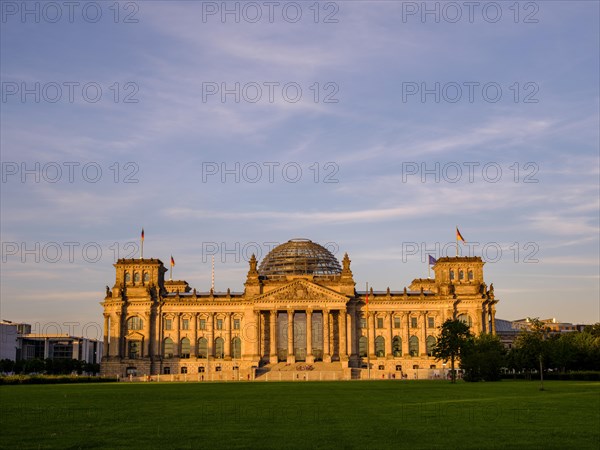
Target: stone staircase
(302,372)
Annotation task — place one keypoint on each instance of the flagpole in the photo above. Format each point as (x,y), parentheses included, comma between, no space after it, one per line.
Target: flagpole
(457,241)
(368,337)
(212,280)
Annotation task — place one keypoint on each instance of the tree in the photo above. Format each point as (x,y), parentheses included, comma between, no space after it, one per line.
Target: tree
(532,346)
(483,358)
(7,365)
(453,339)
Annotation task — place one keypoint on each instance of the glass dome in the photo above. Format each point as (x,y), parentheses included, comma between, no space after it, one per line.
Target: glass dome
(299,257)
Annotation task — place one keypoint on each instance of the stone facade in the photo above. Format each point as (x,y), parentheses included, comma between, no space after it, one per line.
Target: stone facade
(155,326)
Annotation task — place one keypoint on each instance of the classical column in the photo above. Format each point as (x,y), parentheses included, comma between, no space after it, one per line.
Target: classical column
(372,335)
(273,336)
(120,337)
(351,324)
(423,343)
(390,336)
(493,320)
(405,347)
(194,349)
(343,330)
(210,335)
(483,315)
(257,334)
(158,332)
(147,338)
(309,354)
(326,354)
(228,335)
(106,334)
(177,335)
(291,357)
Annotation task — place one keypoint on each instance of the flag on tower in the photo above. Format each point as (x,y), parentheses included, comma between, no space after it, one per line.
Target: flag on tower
(172,261)
(142,234)
(432,260)
(459,236)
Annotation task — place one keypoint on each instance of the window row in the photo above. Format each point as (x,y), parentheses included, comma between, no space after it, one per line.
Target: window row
(413,346)
(461,275)
(185,348)
(397,322)
(137,277)
(202,324)
(201,369)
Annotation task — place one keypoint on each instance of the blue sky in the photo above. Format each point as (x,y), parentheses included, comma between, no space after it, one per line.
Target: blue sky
(361,189)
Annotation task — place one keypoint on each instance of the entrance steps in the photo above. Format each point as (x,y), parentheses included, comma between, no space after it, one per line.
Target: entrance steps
(300,371)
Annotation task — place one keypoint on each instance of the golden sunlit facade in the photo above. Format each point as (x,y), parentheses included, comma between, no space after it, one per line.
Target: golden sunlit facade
(299,313)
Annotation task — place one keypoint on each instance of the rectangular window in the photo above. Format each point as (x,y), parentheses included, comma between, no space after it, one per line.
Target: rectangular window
(380,322)
(431,322)
(219,324)
(236,324)
(168,324)
(185,324)
(396,322)
(363,322)
(413,322)
(202,324)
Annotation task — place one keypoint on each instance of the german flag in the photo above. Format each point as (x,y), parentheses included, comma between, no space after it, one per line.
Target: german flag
(172,261)
(142,234)
(459,236)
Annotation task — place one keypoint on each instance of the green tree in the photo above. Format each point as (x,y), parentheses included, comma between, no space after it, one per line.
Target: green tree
(483,358)
(34,366)
(7,365)
(532,347)
(453,339)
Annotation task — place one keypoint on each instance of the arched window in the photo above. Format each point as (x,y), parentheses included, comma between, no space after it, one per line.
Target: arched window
(185,348)
(136,277)
(413,346)
(219,348)
(146,277)
(127,277)
(362,347)
(168,348)
(380,346)
(451,275)
(466,319)
(202,348)
(430,344)
(134,349)
(397,346)
(461,275)
(470,275)
(236,347)
(134,323)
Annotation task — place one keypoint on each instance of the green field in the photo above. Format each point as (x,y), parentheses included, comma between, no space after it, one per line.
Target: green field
(359,414)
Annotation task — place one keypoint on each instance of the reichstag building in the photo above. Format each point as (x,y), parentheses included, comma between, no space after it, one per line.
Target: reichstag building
(299,310)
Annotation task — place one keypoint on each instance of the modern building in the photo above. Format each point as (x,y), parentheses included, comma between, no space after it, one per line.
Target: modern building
(59,346)
(8,340)
(18,342)
(509,330)
(299,307)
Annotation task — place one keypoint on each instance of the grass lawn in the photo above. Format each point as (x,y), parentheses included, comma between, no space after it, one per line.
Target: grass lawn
(358,414)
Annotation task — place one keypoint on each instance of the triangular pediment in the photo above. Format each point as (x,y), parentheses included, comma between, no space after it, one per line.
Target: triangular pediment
(300,290)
